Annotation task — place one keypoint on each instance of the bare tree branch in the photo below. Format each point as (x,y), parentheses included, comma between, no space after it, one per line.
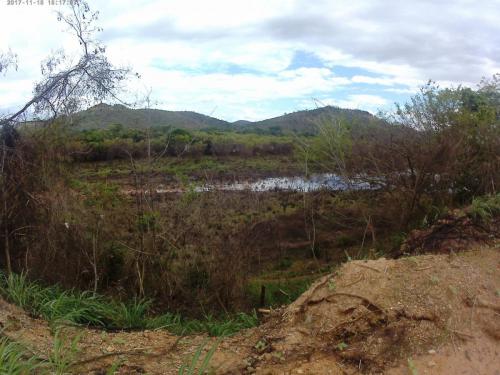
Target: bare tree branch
(66,88)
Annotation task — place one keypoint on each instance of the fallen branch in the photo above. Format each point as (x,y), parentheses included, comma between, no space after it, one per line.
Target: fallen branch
(463,334)
(368,301)
(136,351)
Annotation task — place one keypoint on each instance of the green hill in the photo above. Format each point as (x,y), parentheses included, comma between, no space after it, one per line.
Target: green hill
(103,115)
(306,121)
(303,122)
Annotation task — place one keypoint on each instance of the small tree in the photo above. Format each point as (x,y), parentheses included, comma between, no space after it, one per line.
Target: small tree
(64,89)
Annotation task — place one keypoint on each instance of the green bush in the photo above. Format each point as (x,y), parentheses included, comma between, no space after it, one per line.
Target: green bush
(485,208)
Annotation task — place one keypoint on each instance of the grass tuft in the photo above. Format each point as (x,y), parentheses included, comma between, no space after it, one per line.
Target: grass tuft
(59,307)
(15,360)
(199,364)
(484,208)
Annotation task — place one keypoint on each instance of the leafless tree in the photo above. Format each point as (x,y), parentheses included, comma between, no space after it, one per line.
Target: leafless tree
(66,87)
(68,84)
(7,60)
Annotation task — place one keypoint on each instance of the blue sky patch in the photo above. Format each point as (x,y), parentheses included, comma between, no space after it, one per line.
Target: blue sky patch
(304,59)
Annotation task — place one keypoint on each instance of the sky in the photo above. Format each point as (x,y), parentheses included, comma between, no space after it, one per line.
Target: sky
(256,59)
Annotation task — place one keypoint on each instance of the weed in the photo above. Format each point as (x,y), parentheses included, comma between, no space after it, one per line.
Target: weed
(86,308)
(14,359)
(261,346)
(284,264)
(412,367)
(19,290)
(131,315)
(198,364)
(331,285)
(278,291)
(344,241)
(484,208)
(63,353)
(435,280)
(341,346)
(114,368)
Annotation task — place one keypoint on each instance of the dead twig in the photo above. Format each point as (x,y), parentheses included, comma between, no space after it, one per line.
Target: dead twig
(462,334)
(424,268)
(368,267)
(366,300)
(264,311)
(352,283)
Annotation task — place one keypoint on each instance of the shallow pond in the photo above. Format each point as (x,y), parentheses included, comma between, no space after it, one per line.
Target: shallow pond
(325,181)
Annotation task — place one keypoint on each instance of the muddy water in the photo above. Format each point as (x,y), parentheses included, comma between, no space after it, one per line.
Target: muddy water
(315,182)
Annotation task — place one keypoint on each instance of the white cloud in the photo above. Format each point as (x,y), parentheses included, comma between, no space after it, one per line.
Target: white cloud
(235,55)
(371,103)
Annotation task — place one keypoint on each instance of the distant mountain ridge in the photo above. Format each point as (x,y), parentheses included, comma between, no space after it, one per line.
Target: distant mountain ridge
(103,115)
(306,121)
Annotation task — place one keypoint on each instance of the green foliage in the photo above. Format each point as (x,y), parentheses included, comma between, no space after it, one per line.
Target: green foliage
(85,308)
(15,360)
(199,364)
(485,208)
(284,263)
(396,240)
(332,286)
(211,325)
(71,306)
(411,367)
(133,314)
(333,145)
(112,370)
(99,195)
(190,195)
(344,240)
(148,221)
(278,292)
(341,346)
(64,352)
(445,118)
(19,290)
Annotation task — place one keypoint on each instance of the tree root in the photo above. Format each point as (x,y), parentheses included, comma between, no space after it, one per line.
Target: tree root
(366,300)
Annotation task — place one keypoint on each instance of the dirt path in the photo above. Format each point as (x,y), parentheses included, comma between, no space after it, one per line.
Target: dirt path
(431,314)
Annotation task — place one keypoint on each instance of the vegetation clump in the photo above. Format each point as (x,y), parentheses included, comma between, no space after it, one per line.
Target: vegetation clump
(60,307)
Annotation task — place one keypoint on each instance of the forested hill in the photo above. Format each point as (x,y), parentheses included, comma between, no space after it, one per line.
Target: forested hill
(103,115)
(305,122)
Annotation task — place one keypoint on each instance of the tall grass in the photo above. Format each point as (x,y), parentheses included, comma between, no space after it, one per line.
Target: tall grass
(63,354)
(15,360)
(199,364)
(86,308)
(484,208)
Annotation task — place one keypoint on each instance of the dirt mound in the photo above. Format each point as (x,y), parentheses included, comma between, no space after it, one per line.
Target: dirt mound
(436,314)
(373,315)
(456,232)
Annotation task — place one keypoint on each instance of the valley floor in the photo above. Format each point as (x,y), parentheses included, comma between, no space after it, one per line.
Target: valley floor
(428,314)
